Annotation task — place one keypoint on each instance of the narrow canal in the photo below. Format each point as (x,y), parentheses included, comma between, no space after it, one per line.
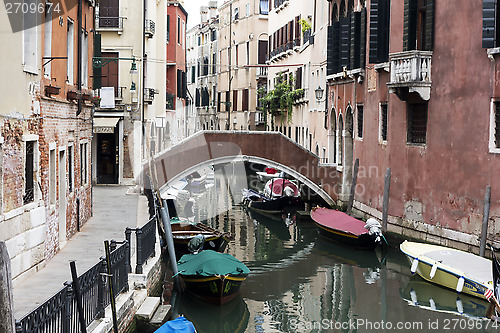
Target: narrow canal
(300,282)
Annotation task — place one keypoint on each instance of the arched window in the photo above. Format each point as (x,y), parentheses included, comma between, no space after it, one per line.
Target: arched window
(342,12)
(340,139)
(335,13)
(333,136)
(317,150)
(350,7)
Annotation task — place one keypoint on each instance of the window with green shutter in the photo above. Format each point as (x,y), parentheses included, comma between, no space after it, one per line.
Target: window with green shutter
(418,31)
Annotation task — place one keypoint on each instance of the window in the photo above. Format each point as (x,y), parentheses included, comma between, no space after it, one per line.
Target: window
(52,176)
(235,100)
(248,54)
(360,121)
(247,7)
(236,54)
(236,14)
(193,74)
(83,163)
(383,122)
(418,25)
(29,172)
(47,50)
(263,49)
(497,125)
(168,28)
(218,101)
(491,24)
(245,101)
(178,29)
(182,33)
(264,7)
(70,169)
(70,52)
(109,14)
(417,123)
(340,140)
(30,39)
(85,58)
(228,101)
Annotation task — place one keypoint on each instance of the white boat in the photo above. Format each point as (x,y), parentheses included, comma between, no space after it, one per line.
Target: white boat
(462,271)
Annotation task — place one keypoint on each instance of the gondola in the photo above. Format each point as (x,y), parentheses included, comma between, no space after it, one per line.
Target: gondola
(338,226)
(211,276)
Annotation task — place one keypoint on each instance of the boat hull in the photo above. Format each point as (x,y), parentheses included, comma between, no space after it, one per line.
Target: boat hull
(217,290)
(365,241)
(184,232)
(444,275)
(275,206)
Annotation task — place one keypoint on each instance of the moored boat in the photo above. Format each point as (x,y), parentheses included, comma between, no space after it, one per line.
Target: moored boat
(339,226)
(183,231)
(211,276)
(462,271)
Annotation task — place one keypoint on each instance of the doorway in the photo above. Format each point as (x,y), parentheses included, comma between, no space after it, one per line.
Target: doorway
(107,158)
(62,196)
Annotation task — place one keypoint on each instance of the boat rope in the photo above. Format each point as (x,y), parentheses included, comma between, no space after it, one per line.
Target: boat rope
(179,272)
(385,240)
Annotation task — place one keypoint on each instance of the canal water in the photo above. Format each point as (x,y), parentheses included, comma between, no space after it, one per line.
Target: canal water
(300,282)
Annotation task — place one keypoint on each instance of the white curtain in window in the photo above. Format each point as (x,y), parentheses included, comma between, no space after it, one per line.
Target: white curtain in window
(264,7)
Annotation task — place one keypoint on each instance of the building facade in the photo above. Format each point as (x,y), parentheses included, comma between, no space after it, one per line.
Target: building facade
(46,120)
(243,50)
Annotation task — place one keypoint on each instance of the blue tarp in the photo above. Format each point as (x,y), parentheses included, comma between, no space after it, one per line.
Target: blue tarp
(178,325)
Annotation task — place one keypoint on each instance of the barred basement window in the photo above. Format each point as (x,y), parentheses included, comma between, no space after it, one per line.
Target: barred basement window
(29,169)
(383,122)
(417,123)
(360,121)
(70,169)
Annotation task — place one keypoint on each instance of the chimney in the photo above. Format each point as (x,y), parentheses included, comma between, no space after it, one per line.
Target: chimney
(204,14)
(212,5)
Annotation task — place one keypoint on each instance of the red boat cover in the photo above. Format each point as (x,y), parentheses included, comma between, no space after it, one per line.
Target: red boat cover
(333,219)
(277,184)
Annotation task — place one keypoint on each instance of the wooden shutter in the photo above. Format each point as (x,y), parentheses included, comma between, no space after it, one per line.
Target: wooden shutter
(429,25)
(336,47)
(298,78)
(362,39)
(179,84)
(184,85)
(488,23)
(218,101)
(109,72)
(297,27)
(235,100)
(345,41)
(383,31)
(290,31)
(228,100)
(410,26)
(97,73)
(330,50)
(355,40)
(197,98)
(374,23)
(245,100)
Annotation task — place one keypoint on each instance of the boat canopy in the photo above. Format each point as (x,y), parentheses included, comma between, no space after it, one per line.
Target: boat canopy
(209,263)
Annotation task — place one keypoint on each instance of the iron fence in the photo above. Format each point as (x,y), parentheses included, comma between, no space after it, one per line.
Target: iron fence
(145,242)
(59,313)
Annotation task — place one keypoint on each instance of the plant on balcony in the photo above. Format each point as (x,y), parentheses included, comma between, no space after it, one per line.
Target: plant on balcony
(278,102)
(305,25)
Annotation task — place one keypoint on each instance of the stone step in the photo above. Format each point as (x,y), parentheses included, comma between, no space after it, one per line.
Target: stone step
(161,315)
(148,308)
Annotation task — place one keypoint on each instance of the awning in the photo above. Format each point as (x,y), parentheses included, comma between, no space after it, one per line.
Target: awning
(105,125)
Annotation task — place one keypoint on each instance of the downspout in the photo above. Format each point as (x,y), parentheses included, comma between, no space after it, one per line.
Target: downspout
(79,58)
(144,59)
(228,125)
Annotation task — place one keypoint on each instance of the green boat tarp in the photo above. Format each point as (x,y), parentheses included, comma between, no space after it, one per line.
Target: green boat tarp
(209,263)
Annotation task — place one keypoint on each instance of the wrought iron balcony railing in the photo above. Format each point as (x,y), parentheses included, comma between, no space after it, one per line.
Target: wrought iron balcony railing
(149,28)
(109,23)
(261,72)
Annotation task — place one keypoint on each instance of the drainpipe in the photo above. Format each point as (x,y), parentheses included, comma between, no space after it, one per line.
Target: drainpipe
(144,59)
(228,125)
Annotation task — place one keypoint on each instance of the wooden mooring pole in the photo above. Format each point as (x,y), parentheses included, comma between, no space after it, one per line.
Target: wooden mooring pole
(385,207)
(353,186)
(170,242)
(486,217)
(7,321)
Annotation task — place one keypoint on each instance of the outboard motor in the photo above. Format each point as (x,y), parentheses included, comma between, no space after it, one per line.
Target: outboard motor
(374,228)
(196,243)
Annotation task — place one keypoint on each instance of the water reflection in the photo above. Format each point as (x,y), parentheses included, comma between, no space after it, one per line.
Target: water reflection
(299,279)
(418,292)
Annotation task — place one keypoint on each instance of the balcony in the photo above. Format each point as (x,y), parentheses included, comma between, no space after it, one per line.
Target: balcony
(149,28)
(411,73)
(149,95)
(119,94)
(109,24)
(280,4)
(261,72)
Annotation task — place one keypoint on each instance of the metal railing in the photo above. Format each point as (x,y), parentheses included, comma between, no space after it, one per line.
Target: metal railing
(119,93)
(149,27)
(109,23)
(145,242)
(59,313)
(262,72)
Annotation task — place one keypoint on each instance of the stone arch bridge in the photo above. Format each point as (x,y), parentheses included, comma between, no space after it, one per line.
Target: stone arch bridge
(221,147)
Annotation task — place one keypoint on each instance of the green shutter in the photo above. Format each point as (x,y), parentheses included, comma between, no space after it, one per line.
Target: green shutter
(362,39)
(410,27)
(345,41)
(355,39)
(374,31)
(488,23)
(330,51)
(336,47)
(97,72)
(429,25)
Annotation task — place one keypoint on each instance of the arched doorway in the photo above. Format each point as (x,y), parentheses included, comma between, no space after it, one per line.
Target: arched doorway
(332,157)
(340,135)
(348,153)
